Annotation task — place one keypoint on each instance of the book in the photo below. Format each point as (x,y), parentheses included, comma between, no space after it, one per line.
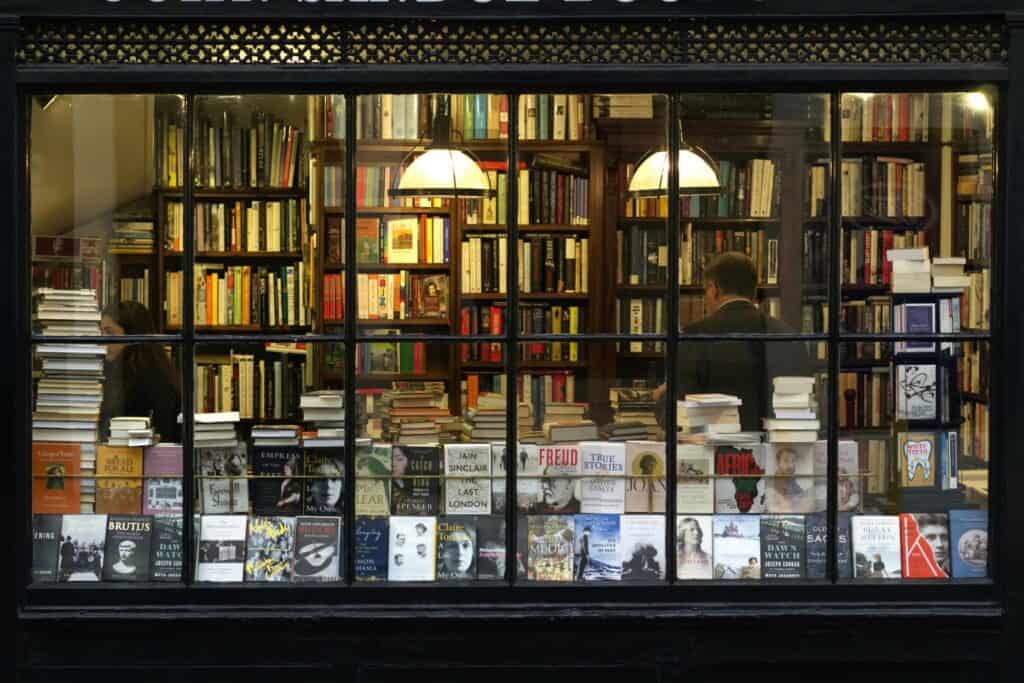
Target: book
(745,491)
(968,530)
(456,548)
(645,485)
(694,547)
(46,542)
(223,487)
(128,542)
(875,543)
(82,548)
(491,547)
(783,547)
(918,460)
(737,547)
(558,488)
(270,546)
(642,547)
(53,491)
(319,551)
(924,541)
(370,553)
(785,491)
(115,495)
(412,548)
(603,490)
(373,469)
(166,552)
(695,488)
(220,554)
(162,495)
(467,486)
(597,555)
(274,491)
(499,472)
(550,547)
(916,392)
(411,494)
(816,528)
(324,496)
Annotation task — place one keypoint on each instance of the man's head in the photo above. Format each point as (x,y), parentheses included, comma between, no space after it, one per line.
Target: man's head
(732,275)
(126,550)
(933,529)
(557,491)
(785,461)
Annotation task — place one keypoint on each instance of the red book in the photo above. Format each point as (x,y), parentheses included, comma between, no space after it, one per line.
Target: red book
(329,117)
(497,321)
(558,388)
(361,186)
(925,545)
(503,116)
(464,329)
(55,486)
(419,361)
(485,328)
(904,104)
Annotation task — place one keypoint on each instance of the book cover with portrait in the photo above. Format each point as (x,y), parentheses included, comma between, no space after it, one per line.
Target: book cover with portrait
(82,546)
(412,548)
(642,547)
(270,546)
(220,554)
(55,486)
(783,547)
(969,543)
(645,469)
(695,544)
(128,542)
(789,485)
(876,546)
(744,491)
(737,547)
(597,554)
(924,540)
(319,550)
(275,490)
(370,552)
(324,496)
(416,486)
(373,473)
(456,548)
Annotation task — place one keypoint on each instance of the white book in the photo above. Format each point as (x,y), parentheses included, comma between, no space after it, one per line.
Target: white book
(876,546)
(467,485)
(642,547)
(220,555)
(695,487)
(694,547)
(604,465)
(412,548)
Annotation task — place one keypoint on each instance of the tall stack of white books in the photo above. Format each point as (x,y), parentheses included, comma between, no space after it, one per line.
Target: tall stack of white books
(793,403)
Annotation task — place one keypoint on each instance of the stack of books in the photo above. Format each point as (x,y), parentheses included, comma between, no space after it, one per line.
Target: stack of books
(702,416)
(793,403)
(66,312)
(216,429)
(417,413)
(324,411)
(632,408)
(130,431)
(488,420)
(565,422)
(911,270)
(275,435)
(948,274)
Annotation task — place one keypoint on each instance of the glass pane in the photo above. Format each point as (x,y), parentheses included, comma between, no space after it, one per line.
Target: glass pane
(106,463)
(591,472)
(100,166)
(771,157)
(751,492)
(270,462)
(430,466)
(915,433)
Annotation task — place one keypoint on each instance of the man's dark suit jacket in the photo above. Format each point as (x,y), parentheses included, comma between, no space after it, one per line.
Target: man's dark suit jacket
(741,368)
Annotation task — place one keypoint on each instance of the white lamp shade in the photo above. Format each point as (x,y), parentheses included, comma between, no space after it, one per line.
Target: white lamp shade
(696,175)
(443,172)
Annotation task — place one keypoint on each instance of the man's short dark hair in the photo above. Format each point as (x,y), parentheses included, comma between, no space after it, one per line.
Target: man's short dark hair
(734,273)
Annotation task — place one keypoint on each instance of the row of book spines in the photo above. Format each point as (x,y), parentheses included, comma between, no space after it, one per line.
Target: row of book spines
(72,276)
(411,358)
(267,154)
(865,398)
(540,388)
(245,295)
(373,185)
(482,319)
(555,117)
(911,117)
(865,254)
(377,241)
(974,366)
(974,228)
(402,295)
(174,226)
(473,385)
(698,246)
(550,319)
(975,431)
(251,226)
(551,197)
(170,150)
(325,116)
(334,297)
(750,188)
(135,288)
(546,264)
(256,388)
(882,186)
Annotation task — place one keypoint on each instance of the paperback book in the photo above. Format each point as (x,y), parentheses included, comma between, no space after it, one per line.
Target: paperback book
(220,556)
(876,546)
(412,548)
(642,547)
(269,549)
(783,547)
(319,552)
(128,548)
(456,548)
(82,550)
(550,547)
(737,547)
(371,549)
(603,465)
(969,543)
(694,547)
(597,556)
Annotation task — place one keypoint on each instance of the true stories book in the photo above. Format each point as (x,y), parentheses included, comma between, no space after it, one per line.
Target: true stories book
(456,548)
(270,546)
(783,547)
(416,488)
(53,490)
(371,549)
(968,531)
(128,542)
(166,554)
(319,550)
(82,547)
(220,556)
(550,547)
(737,547)
(467,484)
(275,490)
(645,468)
(876,546)
(695,543)
(744,491)
(924,541)
(324,496)
(603,487)
(642,547)
(46,541)
(695,487)
(162,495)
(597,551)
(115,495)
(412,548)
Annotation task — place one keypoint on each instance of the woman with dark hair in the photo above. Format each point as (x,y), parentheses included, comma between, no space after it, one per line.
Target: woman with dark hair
(139,379)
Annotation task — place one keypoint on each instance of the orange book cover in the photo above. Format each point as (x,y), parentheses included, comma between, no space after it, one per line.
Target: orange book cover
(52,491)
(115,495)
(472,390)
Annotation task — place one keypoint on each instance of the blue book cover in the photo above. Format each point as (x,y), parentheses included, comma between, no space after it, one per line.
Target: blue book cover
(480,117)
(371,549)
(737,547)
(597,548)
(543,117)
(919,318)
(969,532)
(467,117)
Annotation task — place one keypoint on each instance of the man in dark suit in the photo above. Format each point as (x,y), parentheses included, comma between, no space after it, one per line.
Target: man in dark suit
(743,368)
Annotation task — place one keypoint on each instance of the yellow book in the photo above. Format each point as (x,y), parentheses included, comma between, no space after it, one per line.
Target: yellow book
(574,328)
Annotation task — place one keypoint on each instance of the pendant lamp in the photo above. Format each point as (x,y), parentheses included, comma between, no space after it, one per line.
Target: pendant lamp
(697,172)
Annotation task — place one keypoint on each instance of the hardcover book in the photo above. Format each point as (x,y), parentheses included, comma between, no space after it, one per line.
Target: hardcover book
(46,542)
(220,556)
(373,469)
(603,489)
(371,549)
(783,547)
(695,488)
(467,486)
(128,542)
(876,546)
(559,467)
(816,527)
(118,496)
(916,392)
(456,548)
(969,543)
(597,550)
(549,548)
(642,547)
(416,489)
(53,491)
(162,495)
(737,547)
(412,548)
(785,490)
(275,491)
(694,547)
(270,547)
(319,551)
(925,545)
(81,551)
(850,481)
(498,478)
(744,491)
(918,460)
(166,553)
(223,488)
(528,479)
(324,496)
(645,487)
(490,539)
